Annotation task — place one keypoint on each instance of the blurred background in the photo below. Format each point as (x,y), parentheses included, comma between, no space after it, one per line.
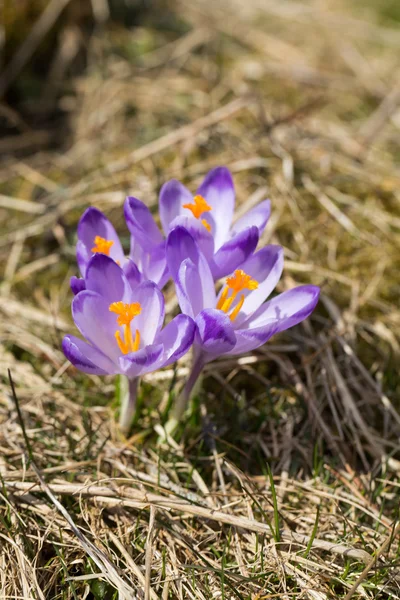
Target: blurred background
(172,56)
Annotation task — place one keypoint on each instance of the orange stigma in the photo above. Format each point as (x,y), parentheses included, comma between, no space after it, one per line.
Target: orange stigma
(238,282)
(102,245)
(126,313)
(199,207)
(241,281)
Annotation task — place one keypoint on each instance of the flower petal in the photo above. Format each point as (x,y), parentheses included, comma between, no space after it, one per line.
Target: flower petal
(151,263)
(286,310)
(177,337)
(233,253)
(86,358)
(214,332)
(173,195)
(218,190)
(180,245)
(83,255)
(105,277)
(77,284)
(190,270)
(143,361)
(92,223)
(151,318)
(132,273)
(265,266)
(250,339)
(199,233)
(257,216)
(141,223)
(280,313)
(96,323)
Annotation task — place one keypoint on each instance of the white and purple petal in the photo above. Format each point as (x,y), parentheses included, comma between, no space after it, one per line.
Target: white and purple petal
(96,323)
(191,273)
(177,338)
(141,224)
(199,233)
(251,339)
(143,361)
(106,278)
(87,358)
(218,190)
(94,223)
(151,318)
(234,252)
(214,334)
(286,310)
(155,265)
(77,284)
(265,266)
(152,264)
(257,216)
(132,273)
(83,255)
(173,195)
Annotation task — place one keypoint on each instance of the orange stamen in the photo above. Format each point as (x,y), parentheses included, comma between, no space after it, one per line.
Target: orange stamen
(199,207)
(241,281)
(102,245)
(206,225)
(237,308)
(238,282)
(126,313)
(223,297)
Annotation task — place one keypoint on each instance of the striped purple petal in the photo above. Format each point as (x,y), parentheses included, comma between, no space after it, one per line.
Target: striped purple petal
(94,223)
(234,252)
(218,190)
(214,334)
(87,358)
(173,195)
(177,338)
(107,279)
(257,216)
(141,224)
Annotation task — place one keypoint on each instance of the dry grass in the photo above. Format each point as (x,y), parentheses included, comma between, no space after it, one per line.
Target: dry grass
(284,479)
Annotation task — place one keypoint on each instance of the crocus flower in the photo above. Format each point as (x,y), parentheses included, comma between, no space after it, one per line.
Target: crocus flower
(123,326)
(237,319)
(96,235)
(207,216)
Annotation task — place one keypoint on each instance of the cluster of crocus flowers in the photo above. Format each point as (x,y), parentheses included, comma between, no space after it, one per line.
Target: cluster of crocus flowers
(119,307)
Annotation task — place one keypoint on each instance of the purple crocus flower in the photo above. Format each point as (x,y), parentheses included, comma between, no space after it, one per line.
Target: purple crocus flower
(237,319)
(207,216)
(123,326)
(96,235)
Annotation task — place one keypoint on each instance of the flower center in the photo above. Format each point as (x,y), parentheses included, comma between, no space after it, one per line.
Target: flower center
(126,313)
(199,207)
(238,282)
(102,245)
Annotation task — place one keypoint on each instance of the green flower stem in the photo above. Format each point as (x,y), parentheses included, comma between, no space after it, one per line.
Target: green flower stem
(128,389)
(186,393)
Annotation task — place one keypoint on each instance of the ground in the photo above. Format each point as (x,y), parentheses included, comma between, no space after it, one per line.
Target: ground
(283,478)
